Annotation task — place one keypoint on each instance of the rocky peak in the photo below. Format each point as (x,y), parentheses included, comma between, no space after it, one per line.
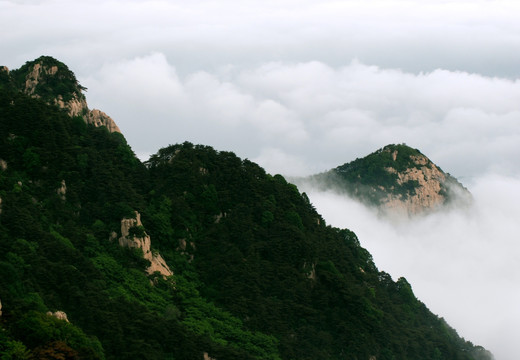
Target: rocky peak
(134,236)
(396,179)
(428,187)
(50,80)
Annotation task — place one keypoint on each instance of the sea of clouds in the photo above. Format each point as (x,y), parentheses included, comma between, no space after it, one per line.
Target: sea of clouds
(463,263)
(301,118)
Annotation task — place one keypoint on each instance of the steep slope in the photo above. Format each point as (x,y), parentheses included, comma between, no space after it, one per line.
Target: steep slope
(397,179)
(255,271)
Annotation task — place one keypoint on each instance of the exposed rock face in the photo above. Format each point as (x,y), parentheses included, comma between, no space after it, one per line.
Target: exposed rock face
(74,106)
(99,118)
(62,190)
(143,243)
(59,315)
(34,77)
(397,179)
(3,165)
(429,195)
(207,357)
(434,188)
(44,70)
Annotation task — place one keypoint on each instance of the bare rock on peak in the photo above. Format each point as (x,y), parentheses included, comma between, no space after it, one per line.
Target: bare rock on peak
(50,80)
(432,188)
(397,179)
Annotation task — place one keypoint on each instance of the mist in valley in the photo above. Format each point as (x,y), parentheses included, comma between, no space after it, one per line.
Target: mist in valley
(462,262)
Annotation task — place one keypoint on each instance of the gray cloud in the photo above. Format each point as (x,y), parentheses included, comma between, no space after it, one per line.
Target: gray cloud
(472,36)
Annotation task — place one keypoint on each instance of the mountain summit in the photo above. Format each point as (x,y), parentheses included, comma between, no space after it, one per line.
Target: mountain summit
(51,81)
(397,179)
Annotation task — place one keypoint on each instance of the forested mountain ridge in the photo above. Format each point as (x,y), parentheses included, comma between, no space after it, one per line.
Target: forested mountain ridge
(257,273)
(396,179)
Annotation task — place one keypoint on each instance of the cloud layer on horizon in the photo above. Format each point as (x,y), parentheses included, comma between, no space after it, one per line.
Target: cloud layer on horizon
(314,115)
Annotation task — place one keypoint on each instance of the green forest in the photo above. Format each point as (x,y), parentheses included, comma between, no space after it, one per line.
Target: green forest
(257,272)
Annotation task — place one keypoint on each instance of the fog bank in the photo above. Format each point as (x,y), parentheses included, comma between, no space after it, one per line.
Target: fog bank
(464,264)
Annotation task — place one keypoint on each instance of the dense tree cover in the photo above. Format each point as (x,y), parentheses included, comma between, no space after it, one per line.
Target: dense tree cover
(263,253)
(55,252)
(257,272)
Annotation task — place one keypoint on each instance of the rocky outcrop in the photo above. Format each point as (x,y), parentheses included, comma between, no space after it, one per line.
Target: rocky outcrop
(396,179)
(62,190)
(134,236)
(58,315)
(206,356)
(74,107)
(99,118)
(34,76)
(432,190)
(43,71)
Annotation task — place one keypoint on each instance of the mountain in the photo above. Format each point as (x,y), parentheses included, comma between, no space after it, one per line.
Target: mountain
(194,254)
(396,179)
(51,80)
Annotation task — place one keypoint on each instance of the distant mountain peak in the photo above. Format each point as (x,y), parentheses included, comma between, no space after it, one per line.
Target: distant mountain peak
(52,81)
(396,179)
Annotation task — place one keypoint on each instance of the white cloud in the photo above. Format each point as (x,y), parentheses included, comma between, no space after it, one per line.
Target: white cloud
(463,264)
(324,116)
(281,163)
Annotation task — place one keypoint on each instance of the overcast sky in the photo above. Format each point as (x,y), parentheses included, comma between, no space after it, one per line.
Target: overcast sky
(304,86)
